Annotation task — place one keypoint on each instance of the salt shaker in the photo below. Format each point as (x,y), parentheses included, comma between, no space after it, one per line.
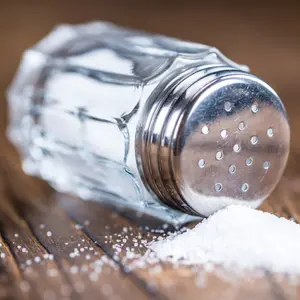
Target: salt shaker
(165,126)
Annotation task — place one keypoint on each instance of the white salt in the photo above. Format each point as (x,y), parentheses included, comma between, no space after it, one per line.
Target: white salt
(37,259)
(237,238)
(50,257)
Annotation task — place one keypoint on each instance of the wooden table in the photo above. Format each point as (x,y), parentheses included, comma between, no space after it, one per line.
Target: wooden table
(40,229)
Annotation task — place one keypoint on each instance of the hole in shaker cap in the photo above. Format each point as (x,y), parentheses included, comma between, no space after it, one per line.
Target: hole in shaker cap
(245,187)
(228,106)
(254,140)
(205,129)
(232,169)
(255,108)
(224,133)
(242,126)
(270,132)
(218,187)
(201,163)
(267,165)
(237,148)
(219,155)
(249,161)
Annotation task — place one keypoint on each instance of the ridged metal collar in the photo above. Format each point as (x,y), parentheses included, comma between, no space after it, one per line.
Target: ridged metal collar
(211,137)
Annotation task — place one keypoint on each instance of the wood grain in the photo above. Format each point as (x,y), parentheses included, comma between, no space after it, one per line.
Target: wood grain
(173,283)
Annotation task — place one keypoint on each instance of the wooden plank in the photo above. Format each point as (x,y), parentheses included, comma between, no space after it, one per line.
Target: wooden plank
(92,273)
(40,272)
(174,283)
(78,257)
(9,275)
(169,283)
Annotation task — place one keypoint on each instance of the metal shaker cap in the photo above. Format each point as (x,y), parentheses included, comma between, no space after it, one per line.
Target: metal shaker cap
(216,136)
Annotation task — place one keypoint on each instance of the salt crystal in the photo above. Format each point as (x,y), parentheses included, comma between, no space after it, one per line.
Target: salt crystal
(93,276)
(24,286)
(52,272)
(28,262)
(86,223)
(49,233)
(84,268)
(238,238)
(74,269)
(37,259)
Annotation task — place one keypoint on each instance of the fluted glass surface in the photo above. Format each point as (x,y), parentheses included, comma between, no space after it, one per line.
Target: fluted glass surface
(76,101)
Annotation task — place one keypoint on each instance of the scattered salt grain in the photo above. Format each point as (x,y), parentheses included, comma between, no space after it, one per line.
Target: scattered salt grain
(49,233)
(28,262)
(74,269)
(24,286)
(237,238)
(2,255)
(37,259)
(86,223)
(52,272)
(93,276)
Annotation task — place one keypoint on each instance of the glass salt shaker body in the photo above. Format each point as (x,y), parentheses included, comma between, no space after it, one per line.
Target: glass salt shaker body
(89,95)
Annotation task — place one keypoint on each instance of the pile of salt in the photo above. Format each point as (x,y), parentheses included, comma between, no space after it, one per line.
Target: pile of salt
(237,238)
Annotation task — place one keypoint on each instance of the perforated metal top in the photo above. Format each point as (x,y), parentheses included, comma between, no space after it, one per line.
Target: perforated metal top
(219,137)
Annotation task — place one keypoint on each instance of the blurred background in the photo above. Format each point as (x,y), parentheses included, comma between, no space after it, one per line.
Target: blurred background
(264,36)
